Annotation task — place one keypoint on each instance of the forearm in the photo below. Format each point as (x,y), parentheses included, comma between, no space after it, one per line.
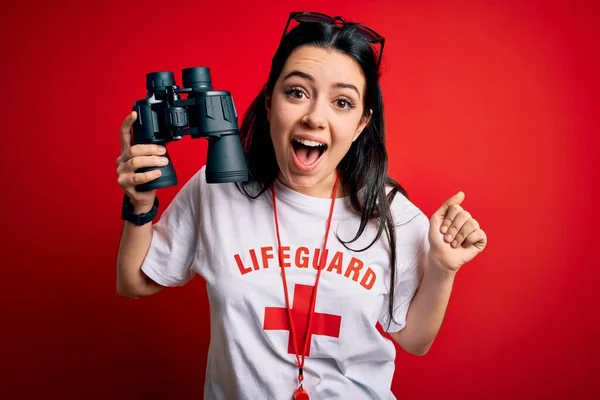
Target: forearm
(134,245)
(427,310)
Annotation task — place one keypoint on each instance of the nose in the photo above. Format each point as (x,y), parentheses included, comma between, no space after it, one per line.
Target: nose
(316,116)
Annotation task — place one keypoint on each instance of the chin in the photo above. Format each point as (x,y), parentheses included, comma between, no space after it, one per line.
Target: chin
(315,183)
(308,167)
(302,182)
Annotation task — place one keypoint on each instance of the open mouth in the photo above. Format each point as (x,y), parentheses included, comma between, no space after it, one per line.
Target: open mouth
(308,152)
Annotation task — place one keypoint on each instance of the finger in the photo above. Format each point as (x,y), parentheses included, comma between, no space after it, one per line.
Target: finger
(138,150)
(451,213)
(469,227)
(144,177)
(456,225)
(125,130)
(477,238)
(129,181)
(458,198)
(135,163)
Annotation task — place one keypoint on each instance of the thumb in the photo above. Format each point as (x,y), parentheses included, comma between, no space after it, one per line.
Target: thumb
(458,198)
(125,130)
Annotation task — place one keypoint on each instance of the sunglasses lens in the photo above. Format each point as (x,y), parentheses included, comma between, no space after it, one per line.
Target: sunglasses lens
(369,34)
(312,17)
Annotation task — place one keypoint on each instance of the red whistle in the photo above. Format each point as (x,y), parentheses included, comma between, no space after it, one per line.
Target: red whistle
(301,394)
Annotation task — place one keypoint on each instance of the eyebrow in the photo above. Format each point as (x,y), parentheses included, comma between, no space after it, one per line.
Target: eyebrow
(312,79)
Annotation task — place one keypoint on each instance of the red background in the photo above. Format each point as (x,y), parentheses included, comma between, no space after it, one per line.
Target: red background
(492,98)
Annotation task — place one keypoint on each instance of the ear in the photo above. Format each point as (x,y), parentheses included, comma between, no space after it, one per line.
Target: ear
(268,105)
(364,121)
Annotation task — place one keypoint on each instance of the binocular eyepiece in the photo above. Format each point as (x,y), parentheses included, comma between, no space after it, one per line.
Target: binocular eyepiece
(163,116)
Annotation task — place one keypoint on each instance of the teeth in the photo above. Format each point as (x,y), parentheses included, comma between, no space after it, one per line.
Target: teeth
(311,143)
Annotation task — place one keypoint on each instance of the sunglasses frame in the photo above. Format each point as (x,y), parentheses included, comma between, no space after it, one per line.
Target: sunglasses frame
(368,33)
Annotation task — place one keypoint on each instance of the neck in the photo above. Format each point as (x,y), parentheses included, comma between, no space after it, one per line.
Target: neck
(321,189)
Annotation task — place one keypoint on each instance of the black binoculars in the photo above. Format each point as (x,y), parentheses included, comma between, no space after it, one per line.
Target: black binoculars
(163,116)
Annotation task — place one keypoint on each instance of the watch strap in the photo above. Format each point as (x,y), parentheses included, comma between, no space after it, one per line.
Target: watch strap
(127,213)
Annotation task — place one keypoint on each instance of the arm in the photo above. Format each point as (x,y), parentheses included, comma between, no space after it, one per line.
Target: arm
(136,240)
(454,238)
(427,309)
(132,282)
(162,251)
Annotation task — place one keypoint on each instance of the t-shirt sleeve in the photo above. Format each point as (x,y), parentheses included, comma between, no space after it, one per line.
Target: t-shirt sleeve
(412,244)
(173,250)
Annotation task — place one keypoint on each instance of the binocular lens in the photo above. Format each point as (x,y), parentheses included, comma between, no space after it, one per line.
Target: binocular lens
(225,161)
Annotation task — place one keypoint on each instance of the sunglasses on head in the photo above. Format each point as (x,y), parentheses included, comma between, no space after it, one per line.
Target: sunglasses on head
(308,16)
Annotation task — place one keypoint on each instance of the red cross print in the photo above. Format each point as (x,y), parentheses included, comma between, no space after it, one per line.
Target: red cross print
(323,324)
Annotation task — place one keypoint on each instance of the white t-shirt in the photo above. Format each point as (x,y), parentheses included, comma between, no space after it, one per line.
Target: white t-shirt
(215,231)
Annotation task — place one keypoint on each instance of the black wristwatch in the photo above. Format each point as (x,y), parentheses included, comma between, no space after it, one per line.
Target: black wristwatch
(138,219)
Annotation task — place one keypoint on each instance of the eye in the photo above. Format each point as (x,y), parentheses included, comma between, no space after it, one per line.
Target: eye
(344,103)
(295,93)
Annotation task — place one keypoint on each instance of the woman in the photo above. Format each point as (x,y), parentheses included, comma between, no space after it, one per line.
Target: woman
(319,239)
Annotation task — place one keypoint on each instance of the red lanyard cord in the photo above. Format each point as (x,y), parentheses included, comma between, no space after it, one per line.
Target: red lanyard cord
(321,266)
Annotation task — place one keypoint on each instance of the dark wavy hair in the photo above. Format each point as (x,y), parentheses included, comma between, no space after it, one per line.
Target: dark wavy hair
(363,170)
